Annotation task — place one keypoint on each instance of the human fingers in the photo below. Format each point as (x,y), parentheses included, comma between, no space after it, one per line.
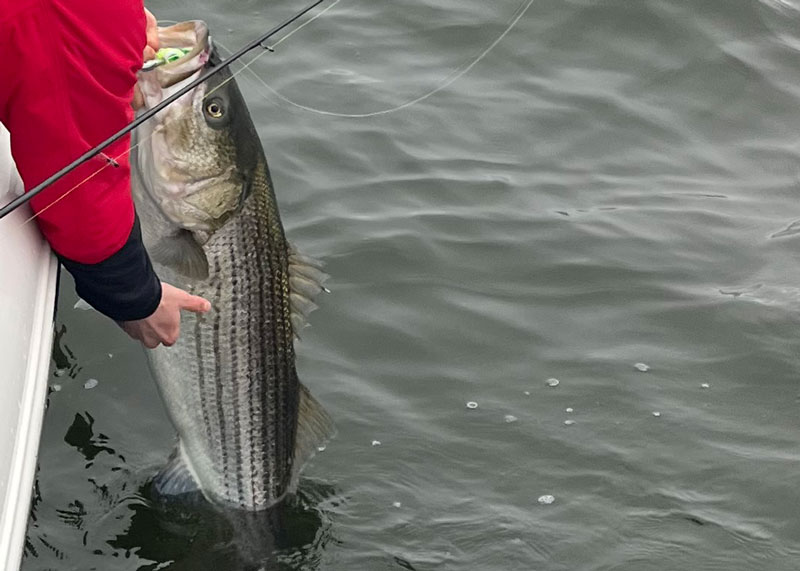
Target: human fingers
(152,30)
(138,98)
(170,337)
(138,331)
(150,342)
(184,299)
(195,303)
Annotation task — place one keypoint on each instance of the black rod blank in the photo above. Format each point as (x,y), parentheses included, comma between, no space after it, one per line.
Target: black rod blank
(90,154)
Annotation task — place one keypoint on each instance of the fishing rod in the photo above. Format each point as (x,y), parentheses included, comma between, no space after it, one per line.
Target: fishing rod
(90,154)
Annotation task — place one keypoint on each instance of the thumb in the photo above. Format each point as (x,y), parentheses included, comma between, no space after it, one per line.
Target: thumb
(195,303)
(151,30)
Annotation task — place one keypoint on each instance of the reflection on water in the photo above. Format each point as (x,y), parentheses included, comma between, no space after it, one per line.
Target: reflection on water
(291,536)
(614,184)
(63,359)
(185,533)
(81,436)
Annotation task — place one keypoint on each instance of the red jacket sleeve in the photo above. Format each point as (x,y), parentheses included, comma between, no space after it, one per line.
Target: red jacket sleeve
(67,75)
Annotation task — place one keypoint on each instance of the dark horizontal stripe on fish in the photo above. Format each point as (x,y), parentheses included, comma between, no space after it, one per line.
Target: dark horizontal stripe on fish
(218,381)
(235,371)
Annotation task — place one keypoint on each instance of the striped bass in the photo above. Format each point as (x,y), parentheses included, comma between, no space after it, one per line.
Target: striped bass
(210,222)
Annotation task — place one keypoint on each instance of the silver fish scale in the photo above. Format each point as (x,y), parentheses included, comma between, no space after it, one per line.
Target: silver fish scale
(232,389)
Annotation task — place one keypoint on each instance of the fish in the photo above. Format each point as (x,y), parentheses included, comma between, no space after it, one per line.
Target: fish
(209,217)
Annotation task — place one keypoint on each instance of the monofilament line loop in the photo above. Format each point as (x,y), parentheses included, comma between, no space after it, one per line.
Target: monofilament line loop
(446,82)
(88,155)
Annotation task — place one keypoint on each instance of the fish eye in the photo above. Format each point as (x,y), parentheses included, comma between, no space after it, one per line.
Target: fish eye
(214,109)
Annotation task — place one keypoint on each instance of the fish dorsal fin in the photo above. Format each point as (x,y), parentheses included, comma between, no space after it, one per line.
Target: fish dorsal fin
(176,477)
(306,280)
(314,429)
(181,252)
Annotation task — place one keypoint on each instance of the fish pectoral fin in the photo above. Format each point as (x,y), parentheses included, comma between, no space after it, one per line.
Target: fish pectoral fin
(314,428)
(306,281)
(181,252)
(176,477)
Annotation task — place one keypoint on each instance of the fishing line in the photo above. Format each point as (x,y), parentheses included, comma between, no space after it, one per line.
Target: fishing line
(97,150)
(297,29)
(63,196)
(448,80)
(454,76)
(112,160)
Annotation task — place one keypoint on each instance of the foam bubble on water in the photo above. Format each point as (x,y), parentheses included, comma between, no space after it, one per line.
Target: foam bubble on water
(376,442)
(396,504)
(90,384)
(642,367)
(110,355)
(59,372)
(569,422)
(656,413)
(551,382)
(510,418)
(704,385)
(321,448)
(569,409)
(82,305)
(56,388)
(546,499)
(472,404)
(527,393)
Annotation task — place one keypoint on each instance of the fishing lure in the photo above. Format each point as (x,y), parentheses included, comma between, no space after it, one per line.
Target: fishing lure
(97,150)
(164,56)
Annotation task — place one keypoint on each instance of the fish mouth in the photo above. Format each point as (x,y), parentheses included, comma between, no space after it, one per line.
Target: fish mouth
(191,35)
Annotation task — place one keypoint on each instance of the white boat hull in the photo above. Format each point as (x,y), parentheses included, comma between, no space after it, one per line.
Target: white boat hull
(28,281)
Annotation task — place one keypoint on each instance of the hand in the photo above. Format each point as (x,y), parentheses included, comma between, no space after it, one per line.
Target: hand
(164,325)
(151,29)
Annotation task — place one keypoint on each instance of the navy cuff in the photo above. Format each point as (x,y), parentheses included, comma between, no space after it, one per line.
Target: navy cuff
(124,286)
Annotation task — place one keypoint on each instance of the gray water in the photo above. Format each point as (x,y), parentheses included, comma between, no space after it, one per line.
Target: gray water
(615,183)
